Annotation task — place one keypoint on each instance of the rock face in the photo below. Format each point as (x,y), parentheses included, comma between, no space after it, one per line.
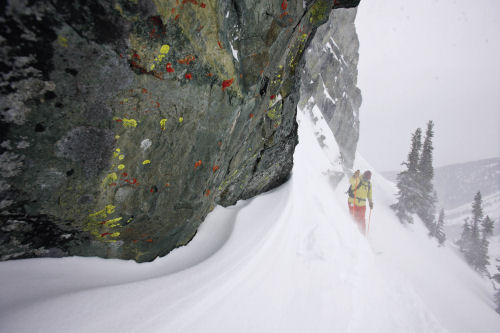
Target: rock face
(123,123)
(329,81)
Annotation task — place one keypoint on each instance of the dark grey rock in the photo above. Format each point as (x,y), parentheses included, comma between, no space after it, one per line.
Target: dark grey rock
(330,78)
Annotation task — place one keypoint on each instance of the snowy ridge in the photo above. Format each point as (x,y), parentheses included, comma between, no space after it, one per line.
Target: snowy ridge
(290,260)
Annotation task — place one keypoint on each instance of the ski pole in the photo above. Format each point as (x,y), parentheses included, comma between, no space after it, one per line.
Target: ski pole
(368,225)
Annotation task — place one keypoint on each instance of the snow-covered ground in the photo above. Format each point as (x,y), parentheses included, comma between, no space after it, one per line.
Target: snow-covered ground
(290,260)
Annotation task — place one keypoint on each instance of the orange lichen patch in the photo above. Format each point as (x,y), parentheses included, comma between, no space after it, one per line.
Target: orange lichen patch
(251,115)
(187,60)
(197,164)
(207,193)
(209,74)
(134,241)
(149,240)
(169,68)
(220,45)
(215,168)
(167,185)
(188,76)
(227,83)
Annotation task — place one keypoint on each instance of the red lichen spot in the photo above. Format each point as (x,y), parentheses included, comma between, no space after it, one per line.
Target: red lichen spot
(173,11)
(152,190)
(176,17)
(104,222)
(197,164)
(157,105)
(144,90)
(207,193)
(149,240)
(188,76)
(215,168)
(105,234)
(202,5)
(284,5)
(136,56)
(273,96)
(209,74)
(119,120)
(220,45)
(121,55)
(219,143)
(124,174)
(167,185)
(169,68)
(251,115)
(227,83)
(134,241)
(187,60)
(112,184)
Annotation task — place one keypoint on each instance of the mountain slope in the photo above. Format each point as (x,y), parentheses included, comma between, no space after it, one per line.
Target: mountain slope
(290,260)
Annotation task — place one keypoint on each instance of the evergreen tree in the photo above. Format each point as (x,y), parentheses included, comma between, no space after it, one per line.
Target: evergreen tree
(487,226)
(407,182)
(474,243)
(465,241)
(438,231)
(426,201)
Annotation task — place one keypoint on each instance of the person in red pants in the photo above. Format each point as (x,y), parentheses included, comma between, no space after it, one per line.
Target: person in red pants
(359,192)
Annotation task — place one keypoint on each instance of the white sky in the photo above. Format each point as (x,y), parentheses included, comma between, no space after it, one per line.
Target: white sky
(429,59)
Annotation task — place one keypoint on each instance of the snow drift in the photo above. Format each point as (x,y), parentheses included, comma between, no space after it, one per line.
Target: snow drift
(290,260)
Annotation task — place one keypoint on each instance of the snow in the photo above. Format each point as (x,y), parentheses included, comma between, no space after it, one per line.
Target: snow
(235,52)
(289,260)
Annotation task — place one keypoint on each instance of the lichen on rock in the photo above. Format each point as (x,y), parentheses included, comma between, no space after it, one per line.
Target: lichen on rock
(128,121)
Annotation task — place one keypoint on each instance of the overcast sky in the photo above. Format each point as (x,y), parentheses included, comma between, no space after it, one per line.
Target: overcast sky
(429,59)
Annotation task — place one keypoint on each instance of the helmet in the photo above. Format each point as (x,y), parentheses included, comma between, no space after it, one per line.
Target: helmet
(367,175)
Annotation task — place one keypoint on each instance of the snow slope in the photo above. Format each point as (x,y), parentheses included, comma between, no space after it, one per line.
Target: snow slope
(290,260)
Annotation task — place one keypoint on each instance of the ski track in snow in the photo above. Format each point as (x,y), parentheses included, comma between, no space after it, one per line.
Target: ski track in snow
(289,260)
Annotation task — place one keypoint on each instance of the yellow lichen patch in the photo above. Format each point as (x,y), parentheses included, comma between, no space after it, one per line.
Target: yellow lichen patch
(146,162)
(181,119)
(118,150)
(119,8)
(111,177)
(113,222)
(121,157)
(129,122)
(164,49)
(63,41)
(121,167)
(117,137)
(109,209)
(114,234)
(163,124)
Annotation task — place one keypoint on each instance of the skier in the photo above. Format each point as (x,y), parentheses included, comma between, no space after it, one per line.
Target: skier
(360,191)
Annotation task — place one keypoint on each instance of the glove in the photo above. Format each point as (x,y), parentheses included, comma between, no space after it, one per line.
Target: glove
(371,205)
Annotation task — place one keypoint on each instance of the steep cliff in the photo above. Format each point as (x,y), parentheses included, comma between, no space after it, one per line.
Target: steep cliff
(329,82)
(123,123)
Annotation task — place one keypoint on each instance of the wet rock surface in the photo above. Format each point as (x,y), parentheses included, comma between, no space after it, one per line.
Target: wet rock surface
(123,123)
